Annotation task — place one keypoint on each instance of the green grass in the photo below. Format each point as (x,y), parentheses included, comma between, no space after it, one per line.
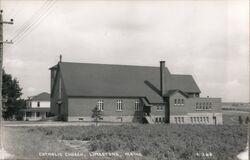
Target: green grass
(232,117)
(152,141)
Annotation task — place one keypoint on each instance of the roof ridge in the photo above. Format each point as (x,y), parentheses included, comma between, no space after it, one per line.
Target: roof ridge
(126,65)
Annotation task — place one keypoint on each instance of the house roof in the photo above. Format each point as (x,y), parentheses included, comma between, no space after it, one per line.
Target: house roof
(44,96)
(102,80)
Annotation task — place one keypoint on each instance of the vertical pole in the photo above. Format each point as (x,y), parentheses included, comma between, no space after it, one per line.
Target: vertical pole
(1,65)
(1,69)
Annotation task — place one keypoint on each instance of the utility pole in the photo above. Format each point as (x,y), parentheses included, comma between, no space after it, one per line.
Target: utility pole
(1,67)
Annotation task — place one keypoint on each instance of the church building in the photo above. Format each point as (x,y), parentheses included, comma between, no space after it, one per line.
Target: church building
(126,93)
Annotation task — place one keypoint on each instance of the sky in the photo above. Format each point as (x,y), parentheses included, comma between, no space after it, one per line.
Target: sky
(208,39)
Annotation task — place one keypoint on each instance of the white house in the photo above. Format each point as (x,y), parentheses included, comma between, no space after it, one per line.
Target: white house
(38,107)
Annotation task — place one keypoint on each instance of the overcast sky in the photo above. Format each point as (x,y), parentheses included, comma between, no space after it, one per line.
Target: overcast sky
(205,38)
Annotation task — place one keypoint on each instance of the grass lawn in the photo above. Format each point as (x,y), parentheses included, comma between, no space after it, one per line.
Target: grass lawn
(172,142)
(232,117)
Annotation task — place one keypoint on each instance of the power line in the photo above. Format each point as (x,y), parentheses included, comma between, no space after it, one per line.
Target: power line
(38,13)
(36,16)
(34,25)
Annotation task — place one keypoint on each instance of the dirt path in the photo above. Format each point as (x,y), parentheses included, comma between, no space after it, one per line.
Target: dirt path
(51,123)
(76,145)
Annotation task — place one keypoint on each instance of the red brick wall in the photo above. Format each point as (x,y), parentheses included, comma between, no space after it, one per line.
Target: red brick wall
(84,106)
(190,105)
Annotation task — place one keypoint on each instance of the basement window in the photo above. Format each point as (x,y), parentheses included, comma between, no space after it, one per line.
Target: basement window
(80,119)
(156,120)
(179,119)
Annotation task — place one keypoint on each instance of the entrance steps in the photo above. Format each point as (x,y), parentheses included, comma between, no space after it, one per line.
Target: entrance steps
(149,119)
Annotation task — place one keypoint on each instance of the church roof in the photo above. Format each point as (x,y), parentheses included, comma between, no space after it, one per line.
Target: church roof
(104,80)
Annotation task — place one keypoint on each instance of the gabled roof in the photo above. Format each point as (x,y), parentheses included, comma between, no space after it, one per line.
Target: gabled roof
(185,83)
(44,96)
(102,80)
(171,92)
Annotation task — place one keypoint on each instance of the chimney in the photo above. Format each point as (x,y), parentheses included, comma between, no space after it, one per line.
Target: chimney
(162,77)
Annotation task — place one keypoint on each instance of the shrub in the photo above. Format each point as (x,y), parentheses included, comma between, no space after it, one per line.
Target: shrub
(160,141)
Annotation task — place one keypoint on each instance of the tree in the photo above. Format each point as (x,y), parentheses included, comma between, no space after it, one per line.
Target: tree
(240,120)
(11,92)
(96,114)
(247,120)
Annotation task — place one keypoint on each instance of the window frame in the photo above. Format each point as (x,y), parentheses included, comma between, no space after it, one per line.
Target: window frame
(159,107)
(176,120)
(100,105)
(179,119)
(182,101)
(203,106)
(137,105)
(119,105)
(179,101)
(175,101)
